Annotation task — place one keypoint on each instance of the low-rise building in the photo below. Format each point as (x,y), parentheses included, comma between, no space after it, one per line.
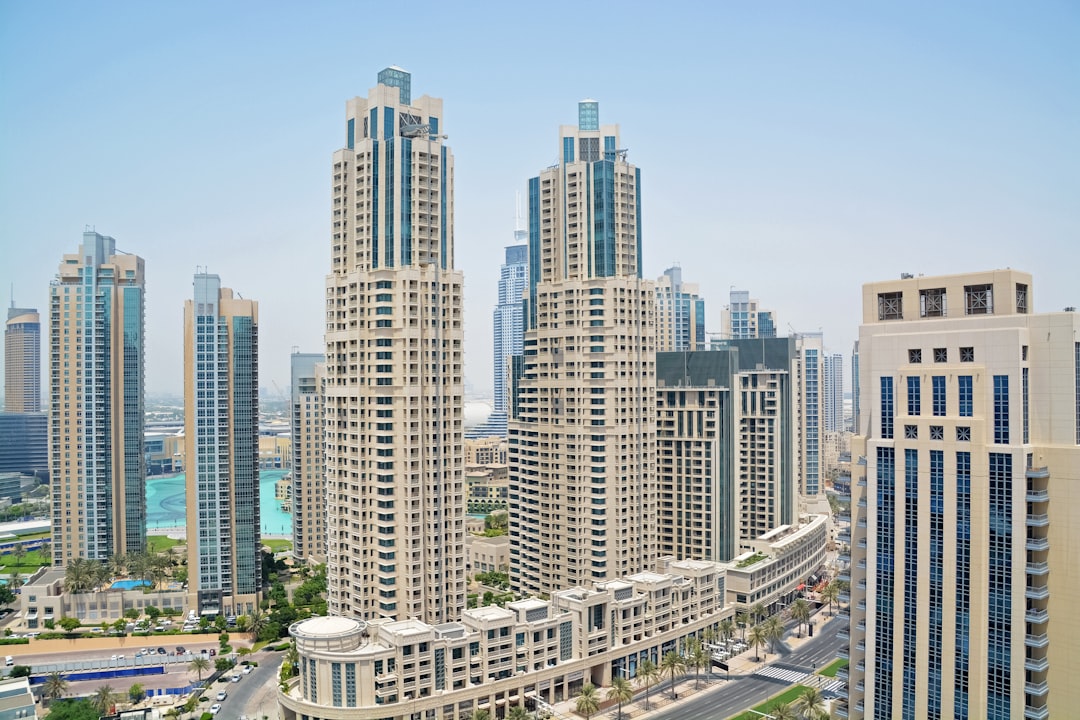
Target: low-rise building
(495,658)
(16,700)
(487,554)
(43,598)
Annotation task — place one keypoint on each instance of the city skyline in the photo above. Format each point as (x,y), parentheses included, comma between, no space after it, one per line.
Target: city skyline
(838,133)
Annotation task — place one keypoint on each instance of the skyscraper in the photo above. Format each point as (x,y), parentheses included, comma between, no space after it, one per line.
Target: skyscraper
(808,407)
(583,444)
(394,393)
(308,431)
(743,318)
(22,360)
(833,395)
(509,317)
(96,386)
(963,549)
(680,314)
(221,433)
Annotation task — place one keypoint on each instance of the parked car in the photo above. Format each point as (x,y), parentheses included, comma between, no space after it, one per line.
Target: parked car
(247,669)
(161,651)
(180,650)
(213,652)
(235,678)
(215,708)
(222,695)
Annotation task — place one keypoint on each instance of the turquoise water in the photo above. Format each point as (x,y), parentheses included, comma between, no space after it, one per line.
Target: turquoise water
(129,584)
(166,501)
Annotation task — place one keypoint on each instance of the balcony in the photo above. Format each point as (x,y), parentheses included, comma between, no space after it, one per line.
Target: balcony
(1038,568)
(1037,592)
(1038,544)
(1036,713)
(1038,520)
(1038,689)
(843,634)
(840,710)
(1036,640)
(1035,496)
(1035,473)
(1036,664)
(1037,616)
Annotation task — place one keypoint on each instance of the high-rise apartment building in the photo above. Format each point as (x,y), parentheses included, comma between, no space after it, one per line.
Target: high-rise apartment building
(744,318)
(96,387)
(221,434)
(308,484)
(855,385)
(833,393)
(583,442)
(22,360)
(963,548)
(809,405)
(680,313)
(394,390)
(509,328)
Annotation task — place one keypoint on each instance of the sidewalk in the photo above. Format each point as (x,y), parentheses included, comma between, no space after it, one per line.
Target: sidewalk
(688,686)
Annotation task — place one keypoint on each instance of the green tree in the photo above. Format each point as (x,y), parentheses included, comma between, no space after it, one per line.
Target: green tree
(672,664)
(256,623)
(118,564)
(758,638)
(119,626)
(698,657)
(153,612)
(774,630)
(18,552)
(103,699)
(518,713)
(811,704)
(757,611)
(136,693)
(55,686)
(621,692)
(21,671)
(588,700)
(783,711)
(45,551)
(222,664)
(100,575)
(647,674)
(7,595)
(830,594)
(727,631)
(77,575)
(72,710)
(199,664)
(742,620)
(800,613)
(70,624)
(132,614)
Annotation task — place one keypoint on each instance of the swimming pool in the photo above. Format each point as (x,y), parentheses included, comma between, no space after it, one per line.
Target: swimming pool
(128,584)
(166,503)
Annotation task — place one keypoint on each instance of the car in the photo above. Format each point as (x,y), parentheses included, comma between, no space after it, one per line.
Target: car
(222,695)
(247,669)
(235,678)
(204,651)
(180,650)
(161,651)
(213,652)
(215,708)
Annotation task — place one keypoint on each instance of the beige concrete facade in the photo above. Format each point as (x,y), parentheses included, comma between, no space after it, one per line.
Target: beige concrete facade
(308,463)
(583,446)
(965,503)
(221,432)
(394,390)
(96,420)
(485,451)
(487,554)
(22,361)
(680,314)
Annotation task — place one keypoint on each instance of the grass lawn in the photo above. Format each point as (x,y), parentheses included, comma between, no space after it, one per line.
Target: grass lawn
(29,565)
(278,545)
(35,536)
(788,696)
(832,668)
(161,543)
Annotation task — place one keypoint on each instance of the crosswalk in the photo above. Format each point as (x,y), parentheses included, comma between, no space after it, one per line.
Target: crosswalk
(781,673)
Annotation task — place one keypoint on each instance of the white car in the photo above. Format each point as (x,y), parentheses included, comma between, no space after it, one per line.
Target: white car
(222,695)
(247,669)
(235,678)
(215,708)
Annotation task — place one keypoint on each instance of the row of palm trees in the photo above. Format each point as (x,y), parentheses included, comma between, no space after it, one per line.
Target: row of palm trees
(83,574)
(56,687)
(808,706)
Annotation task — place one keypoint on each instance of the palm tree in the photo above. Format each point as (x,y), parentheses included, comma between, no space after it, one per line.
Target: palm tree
(810,704)
(99,571)
(647,674)
(18,552)
(698,657)
(518,713)
(199,664)
(588,700)
(118,564)
(257,622)
(758,638)
(800,612)
(783,711)
(774,630)
(55,686)
(45,551)
(14,575)
(621,692)
(742,620)
(77,575)
(480,715)
(727,631)
(758,612)
(672,663)
(830,594)
(104,699)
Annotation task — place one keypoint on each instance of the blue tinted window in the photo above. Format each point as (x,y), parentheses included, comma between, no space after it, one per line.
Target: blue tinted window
(352,134)
(965,395)
(887,407)
(938,382)
(1001,408)
(914,397)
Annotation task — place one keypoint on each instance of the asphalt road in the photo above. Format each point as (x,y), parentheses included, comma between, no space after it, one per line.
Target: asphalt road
(745,691)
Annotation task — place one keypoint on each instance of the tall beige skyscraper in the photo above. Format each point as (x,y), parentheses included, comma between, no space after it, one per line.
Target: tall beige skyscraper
(221,435)
(583,444)
(96,385)
(308,426)
(22,361)
(394,392)
(965,504)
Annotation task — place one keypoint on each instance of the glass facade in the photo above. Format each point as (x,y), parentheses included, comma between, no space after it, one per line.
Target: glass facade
(884,581)
(911,584)
(999,610)
(888,408)
(1001,409)
(961,639)
(936,599)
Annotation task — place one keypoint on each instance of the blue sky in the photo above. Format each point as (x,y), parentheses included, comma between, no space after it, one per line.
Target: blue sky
(793,149)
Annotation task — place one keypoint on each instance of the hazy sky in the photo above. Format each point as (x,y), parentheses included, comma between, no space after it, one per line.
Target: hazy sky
(792,149)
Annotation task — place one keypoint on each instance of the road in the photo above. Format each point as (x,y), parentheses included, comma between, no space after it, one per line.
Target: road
(745,691)
(249,696)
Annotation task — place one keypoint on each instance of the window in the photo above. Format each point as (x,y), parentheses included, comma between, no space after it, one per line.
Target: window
(914,396)
(890,306)
(1021,298)
(965,395)
(887,408)
(938,390)
(979,299)
(914,356)
(963,433)
(941,355)
(932,302)
(1001,409)
(967,354)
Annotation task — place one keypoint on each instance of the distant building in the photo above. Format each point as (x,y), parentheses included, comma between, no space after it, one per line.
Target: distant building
(963,547)
(24,443)
(509,329)
(833,394)
(221,413)
(308,463)
(22,360)
(744,319)
(96,392)
(680,314)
